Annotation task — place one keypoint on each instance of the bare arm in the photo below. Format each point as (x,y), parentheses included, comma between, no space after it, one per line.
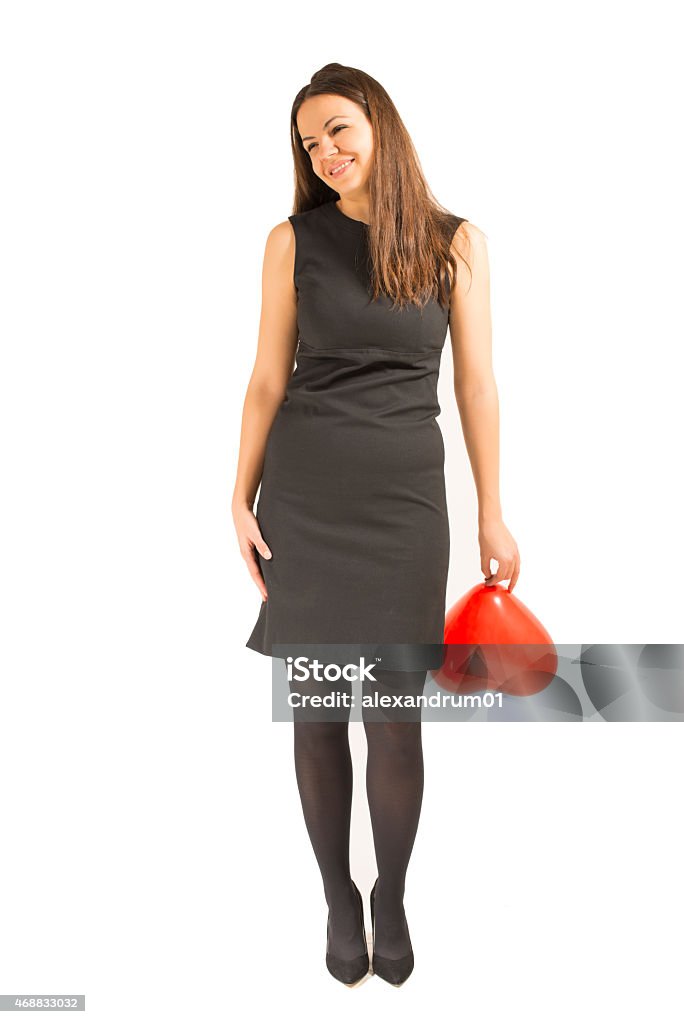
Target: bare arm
(273,365)
(476,393)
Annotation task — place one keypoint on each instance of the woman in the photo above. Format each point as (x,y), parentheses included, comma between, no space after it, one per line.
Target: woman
(351,543)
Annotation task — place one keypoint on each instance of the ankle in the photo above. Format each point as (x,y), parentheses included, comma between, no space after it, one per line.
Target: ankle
(342,895)
(389,892)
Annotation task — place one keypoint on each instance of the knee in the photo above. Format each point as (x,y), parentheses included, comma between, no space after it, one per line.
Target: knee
(315,735)
(395,738)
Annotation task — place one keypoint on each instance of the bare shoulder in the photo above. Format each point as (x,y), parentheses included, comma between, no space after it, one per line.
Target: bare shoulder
(469,246)
(281,238)
(279,254)
(468,238)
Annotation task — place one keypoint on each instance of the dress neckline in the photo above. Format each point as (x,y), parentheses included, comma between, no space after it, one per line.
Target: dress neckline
(351,222)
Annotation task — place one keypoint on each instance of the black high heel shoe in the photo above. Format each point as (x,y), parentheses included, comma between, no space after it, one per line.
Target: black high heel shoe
(348,971)
(394,971)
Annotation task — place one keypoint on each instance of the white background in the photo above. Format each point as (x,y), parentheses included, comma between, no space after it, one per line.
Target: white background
(152,849)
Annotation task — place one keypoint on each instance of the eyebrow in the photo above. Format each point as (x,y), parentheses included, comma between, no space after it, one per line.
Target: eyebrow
(325,125)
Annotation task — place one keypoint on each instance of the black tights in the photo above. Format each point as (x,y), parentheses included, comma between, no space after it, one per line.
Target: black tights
(394,786)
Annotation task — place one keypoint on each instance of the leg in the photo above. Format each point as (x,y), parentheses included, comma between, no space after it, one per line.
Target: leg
(323,768)
(394,783)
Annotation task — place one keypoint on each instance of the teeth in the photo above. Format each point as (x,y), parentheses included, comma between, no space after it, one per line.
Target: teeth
(339,168)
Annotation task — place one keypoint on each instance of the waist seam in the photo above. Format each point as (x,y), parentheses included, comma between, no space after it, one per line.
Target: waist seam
(371,348)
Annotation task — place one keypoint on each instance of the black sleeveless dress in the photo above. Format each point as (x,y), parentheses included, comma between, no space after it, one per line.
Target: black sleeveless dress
(352,502)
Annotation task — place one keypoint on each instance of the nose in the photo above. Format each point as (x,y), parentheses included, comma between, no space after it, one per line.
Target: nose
(328,149)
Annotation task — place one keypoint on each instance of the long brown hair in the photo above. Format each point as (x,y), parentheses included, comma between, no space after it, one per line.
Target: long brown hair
(410,233)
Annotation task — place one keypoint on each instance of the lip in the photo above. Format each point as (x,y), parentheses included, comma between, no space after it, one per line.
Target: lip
(347,159)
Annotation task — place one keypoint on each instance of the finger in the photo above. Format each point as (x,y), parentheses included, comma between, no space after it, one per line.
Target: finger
(506,569)
(249,550)
(261,545)
(257,577)
(514,577)
(500,575)
(250,557)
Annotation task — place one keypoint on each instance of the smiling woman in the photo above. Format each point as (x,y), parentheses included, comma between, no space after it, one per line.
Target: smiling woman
(350,539)
(333,140)
(344,148)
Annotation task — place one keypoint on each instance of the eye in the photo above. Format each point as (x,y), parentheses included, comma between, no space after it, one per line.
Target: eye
(337,128)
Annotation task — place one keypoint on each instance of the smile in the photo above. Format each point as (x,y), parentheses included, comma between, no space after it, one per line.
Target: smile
(340,168)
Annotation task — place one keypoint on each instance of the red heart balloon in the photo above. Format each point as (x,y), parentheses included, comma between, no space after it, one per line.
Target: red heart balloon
(494,642)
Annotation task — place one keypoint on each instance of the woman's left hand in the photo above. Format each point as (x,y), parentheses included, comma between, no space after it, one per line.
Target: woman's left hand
(496,542)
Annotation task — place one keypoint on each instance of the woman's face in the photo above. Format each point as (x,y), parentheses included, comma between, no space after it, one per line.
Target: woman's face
(335,131)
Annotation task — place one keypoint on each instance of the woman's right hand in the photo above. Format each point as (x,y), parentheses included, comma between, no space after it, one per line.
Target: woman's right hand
(249,539)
